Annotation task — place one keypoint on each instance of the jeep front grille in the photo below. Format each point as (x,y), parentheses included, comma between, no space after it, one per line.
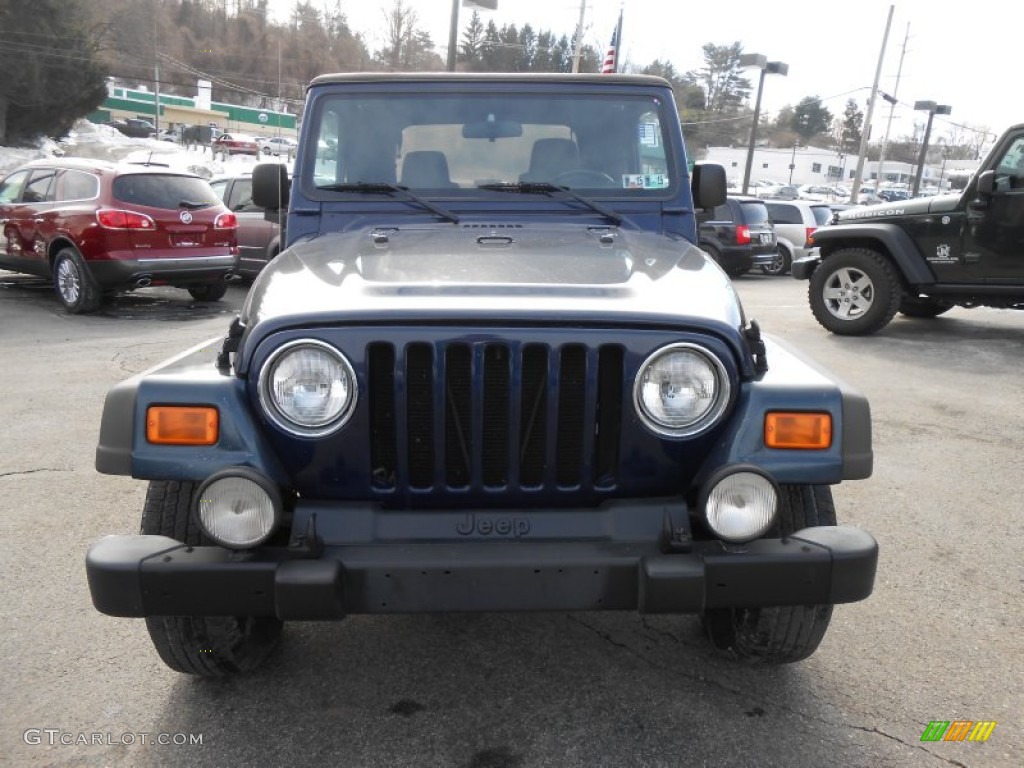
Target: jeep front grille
(494,415)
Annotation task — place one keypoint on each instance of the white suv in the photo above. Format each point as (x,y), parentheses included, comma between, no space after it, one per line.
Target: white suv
(795,221)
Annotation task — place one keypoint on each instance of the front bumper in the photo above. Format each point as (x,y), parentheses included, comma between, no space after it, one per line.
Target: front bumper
(155,575)
(804,266)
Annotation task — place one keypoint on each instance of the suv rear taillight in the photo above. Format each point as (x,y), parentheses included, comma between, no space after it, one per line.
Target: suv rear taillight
(742,234)
(117,219)
(810,235)
(226,221)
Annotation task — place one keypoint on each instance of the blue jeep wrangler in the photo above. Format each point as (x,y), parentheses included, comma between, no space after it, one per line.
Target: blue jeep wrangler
(491,371)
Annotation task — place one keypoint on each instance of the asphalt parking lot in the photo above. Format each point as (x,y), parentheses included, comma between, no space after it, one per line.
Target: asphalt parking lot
(940,639)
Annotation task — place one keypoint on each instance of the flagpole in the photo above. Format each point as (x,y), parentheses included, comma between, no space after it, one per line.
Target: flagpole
(618,40)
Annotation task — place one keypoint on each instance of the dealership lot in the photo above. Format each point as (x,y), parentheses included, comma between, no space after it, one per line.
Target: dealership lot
(939,640)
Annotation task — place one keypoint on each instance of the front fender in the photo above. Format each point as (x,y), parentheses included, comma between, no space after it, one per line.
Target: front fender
(191,378)
(881,236)
(793,383)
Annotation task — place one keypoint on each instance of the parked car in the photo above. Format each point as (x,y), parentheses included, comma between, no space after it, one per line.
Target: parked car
(94,227)
(795,222)
(277,145)
(785,192)
(819,193)
(136,128)
(738,234)
(229,144)
(893,195)
(259,240)
(921,258)
(868,196)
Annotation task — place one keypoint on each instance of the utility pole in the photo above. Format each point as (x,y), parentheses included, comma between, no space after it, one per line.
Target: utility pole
(892,106)
(579,38)
(871,111)
(156,81)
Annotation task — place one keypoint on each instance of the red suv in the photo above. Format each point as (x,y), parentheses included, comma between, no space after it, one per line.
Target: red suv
(94,228)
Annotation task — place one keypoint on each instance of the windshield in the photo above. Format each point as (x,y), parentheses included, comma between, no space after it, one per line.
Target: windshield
(459,144)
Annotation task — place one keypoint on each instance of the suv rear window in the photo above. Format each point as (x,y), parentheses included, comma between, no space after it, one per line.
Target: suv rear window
(754,212)
(822,214)
(163,190)
(785,214)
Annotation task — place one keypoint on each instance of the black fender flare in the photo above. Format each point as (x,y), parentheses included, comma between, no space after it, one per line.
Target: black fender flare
(886,238)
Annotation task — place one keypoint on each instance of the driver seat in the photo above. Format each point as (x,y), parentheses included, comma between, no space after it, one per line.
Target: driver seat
(551,157)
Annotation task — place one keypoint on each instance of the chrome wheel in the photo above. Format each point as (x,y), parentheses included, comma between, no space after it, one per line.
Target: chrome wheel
(848,293)
(69,282)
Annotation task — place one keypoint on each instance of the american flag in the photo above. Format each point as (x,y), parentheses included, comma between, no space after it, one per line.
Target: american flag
(608,67)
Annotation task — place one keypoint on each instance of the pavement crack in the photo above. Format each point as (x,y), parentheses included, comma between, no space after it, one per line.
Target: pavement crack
(33,471)
(743,693)
(875,729)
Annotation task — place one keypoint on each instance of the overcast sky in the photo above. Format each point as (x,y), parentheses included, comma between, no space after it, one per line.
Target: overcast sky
(965,54)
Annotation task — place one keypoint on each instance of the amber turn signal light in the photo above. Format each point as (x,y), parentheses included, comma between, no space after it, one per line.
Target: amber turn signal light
(181,425)
(798,430)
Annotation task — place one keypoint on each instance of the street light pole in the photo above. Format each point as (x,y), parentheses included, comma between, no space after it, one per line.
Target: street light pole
(767,68)
(933,109)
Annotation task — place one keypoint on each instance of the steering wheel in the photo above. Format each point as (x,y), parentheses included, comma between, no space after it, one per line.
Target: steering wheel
(584,177)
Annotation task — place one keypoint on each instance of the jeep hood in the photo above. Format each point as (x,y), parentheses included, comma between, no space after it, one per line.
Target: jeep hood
(901,208)
(509,272)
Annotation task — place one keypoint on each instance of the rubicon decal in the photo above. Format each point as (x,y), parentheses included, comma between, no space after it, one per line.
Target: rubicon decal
(958,730)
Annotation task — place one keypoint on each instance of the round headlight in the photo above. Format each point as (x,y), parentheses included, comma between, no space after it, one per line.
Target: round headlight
(308,388)
(681,390)
(741,505)
(238,508)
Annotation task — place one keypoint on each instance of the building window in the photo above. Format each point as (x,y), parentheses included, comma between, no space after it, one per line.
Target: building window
(815,167)
(764,165)
(734,165)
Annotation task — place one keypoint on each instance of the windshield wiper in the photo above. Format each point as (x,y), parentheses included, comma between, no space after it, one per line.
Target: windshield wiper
(192,205)
(384,188)
(546,188)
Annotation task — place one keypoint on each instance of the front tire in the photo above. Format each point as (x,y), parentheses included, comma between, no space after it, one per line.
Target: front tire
(73,282)
(207,646)
(779,634)
(854,292)
(209,291)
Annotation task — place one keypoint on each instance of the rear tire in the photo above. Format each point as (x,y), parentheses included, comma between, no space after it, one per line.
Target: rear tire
(209,291)
(73,282)
(780,264)
(779,634)
(915,306)
(207,646)
(854,292)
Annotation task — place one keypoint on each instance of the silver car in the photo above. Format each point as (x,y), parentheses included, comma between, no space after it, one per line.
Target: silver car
(795,221)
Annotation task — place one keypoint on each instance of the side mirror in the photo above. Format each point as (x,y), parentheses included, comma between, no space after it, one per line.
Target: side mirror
(986,183)
(271,186)
(708,185)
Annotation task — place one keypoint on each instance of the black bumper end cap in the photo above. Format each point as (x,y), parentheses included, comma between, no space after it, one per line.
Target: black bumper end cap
(112,568)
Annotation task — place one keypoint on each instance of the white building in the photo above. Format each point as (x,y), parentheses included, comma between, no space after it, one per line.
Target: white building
(814,165)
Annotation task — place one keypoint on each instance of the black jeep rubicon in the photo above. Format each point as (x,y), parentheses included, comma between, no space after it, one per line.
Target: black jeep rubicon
(923,257)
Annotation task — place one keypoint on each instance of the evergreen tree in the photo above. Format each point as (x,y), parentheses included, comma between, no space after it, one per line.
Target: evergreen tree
(810,118)
(470,52)
(51,72)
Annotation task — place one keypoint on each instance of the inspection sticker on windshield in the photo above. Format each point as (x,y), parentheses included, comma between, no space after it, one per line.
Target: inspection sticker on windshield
(648,134)
(644,180)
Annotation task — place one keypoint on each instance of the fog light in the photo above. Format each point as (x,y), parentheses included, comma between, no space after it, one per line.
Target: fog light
(741,504)
(238,508)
